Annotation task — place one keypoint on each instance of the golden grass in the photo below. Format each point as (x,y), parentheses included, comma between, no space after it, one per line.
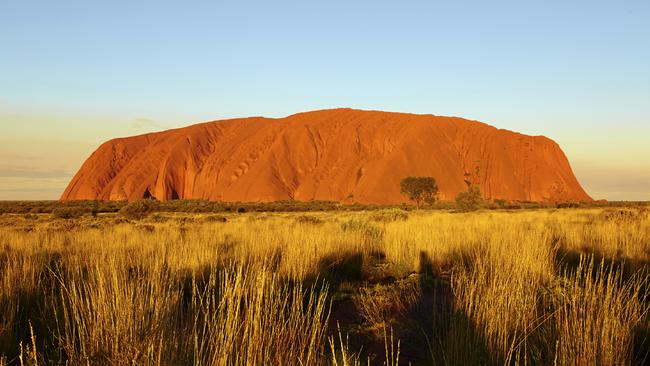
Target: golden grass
(565,287)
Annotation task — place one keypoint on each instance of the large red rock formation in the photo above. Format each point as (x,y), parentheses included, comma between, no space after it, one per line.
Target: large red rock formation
(342,155)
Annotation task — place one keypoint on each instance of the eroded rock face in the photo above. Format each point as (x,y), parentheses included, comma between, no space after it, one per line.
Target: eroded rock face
(341,155)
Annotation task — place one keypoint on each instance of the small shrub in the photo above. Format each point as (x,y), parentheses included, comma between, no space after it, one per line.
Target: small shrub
(68,213)
(305,219)
(621,216)
(30,217)
(148,228)
(567,205)
(380,305)
(186,220)
(36,210)
(470,200)
(111,206)
(94,211)
(215,218)
(158,218)
(389,215)
(370,233)
(138,210)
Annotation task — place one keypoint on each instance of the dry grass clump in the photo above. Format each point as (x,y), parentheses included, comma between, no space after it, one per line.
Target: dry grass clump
(144,313)
(598,314)
(309,219)
(389,215)
(256,317)
(381,305)
(366,231)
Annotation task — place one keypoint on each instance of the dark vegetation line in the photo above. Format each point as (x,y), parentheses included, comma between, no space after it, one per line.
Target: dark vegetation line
(204,206)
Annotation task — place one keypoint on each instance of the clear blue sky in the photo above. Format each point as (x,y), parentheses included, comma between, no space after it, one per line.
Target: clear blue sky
(76,73)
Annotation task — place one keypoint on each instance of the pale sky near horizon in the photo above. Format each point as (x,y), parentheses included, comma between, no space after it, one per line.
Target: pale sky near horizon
(76,73)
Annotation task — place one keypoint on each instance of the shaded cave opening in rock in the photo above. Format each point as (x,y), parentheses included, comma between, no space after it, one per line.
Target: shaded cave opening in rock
(147,195)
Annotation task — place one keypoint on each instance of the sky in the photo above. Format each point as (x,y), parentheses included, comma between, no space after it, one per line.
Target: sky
(76,73)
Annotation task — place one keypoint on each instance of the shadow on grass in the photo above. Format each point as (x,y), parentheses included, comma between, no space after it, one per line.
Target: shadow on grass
(569,260)
(31,310)
(431,329)
(451,336)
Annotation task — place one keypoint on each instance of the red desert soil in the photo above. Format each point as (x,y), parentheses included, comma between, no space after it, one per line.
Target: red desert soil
(340,155)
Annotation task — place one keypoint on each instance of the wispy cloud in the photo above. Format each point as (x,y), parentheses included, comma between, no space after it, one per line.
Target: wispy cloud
(29,190)
(26,188)
(32,172)
(145,123)
(9,156)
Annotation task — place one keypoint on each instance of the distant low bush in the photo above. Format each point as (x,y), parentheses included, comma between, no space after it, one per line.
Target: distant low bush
(470,200)
(622,216)
(203,206)
(567,205)
(159,218)
(369,232)
(305,219)
(30,217)
(445,205)
(68,213)
(215,218)
(389,215)
(147,228)
(139,209)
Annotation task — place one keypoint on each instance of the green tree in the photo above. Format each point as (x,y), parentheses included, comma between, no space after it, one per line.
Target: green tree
(470,200)
(420,189)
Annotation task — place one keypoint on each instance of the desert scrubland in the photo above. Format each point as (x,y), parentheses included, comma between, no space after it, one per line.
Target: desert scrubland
(539,286)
